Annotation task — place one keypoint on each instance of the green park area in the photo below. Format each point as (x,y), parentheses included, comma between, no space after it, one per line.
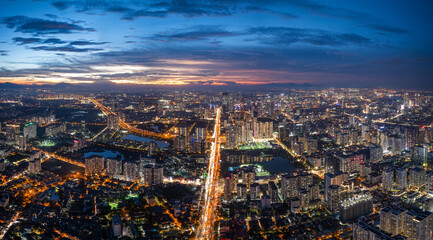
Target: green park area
(255,146)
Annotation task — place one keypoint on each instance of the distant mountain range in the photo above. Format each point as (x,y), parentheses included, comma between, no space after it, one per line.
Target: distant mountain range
(8,85)
(108,86)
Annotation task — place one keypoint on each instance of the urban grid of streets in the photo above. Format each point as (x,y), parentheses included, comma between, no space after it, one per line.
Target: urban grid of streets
(207,220)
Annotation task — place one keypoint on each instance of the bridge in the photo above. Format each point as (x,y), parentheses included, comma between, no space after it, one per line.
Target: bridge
(123,124)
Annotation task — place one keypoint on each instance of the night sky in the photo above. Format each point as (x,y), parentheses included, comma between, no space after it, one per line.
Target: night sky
(335,43)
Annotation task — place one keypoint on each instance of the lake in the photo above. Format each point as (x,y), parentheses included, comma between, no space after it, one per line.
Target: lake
(105,153)
(277,165)
(160,144)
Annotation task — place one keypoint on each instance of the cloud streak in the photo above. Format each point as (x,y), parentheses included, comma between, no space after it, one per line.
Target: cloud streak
(264,35)
(164,8)
(23,41)
(287,36)
(52,45)
(387,29)
(53,41)
(194,34)
(38,26)
(66,48)
(85,43)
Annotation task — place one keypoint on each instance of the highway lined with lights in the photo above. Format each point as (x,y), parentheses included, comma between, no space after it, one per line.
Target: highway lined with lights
(122,124)
(206,224)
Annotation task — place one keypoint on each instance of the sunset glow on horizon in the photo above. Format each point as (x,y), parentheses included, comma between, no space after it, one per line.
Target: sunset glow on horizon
(338,44)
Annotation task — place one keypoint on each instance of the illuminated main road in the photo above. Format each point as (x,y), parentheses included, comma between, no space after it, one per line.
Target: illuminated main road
(122,124)
(54,155)
(205,229)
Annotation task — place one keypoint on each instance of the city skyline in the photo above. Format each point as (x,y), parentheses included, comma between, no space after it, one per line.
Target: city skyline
(348,164)
(217,43)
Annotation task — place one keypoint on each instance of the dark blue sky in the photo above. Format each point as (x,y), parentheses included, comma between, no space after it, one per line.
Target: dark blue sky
(335,43)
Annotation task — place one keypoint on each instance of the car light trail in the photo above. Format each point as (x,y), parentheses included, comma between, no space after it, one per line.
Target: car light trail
(207,220)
